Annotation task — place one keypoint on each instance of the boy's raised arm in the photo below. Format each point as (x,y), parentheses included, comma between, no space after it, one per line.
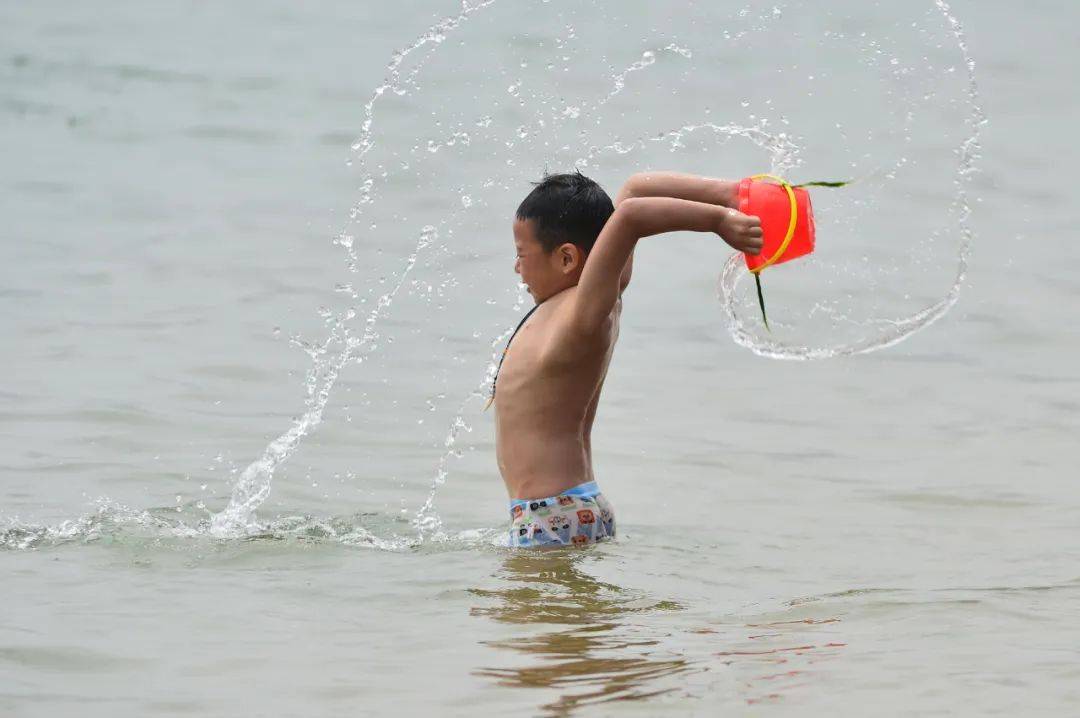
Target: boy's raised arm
(681,186)
(638,217)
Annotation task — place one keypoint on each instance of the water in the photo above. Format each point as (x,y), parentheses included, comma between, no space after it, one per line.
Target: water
(255,279)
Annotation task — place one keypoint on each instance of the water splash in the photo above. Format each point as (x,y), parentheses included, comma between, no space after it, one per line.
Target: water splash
(427,522)
(253,487)
(647,58)
(342,346)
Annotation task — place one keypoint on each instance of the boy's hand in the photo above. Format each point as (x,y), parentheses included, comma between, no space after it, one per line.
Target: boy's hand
(741,231)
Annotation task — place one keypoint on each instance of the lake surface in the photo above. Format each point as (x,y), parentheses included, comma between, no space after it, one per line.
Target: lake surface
(256,262)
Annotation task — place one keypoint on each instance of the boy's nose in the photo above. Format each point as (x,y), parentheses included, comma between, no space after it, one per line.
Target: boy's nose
(517,266)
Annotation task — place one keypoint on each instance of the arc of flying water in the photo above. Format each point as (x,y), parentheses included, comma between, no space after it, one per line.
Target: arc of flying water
(246,499)
(253,486)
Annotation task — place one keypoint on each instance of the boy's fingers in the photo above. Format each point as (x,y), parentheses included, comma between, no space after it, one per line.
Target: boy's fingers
(750,246)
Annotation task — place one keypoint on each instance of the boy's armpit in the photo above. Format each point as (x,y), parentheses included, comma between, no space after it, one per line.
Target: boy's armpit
(567,343)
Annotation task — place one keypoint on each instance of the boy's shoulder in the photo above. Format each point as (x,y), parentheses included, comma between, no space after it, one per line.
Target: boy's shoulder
(565,342)
(565,304)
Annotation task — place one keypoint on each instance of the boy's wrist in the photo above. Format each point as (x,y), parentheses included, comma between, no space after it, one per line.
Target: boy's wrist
(726,193)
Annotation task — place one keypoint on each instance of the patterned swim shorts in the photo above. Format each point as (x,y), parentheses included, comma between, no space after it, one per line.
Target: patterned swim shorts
(580,515)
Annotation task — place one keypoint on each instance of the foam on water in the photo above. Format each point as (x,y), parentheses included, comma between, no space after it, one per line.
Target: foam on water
(111,522)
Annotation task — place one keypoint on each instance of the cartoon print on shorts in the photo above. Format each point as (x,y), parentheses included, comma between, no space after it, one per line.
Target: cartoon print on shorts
(559,526)
(607,519)
(540,508)
(562,520)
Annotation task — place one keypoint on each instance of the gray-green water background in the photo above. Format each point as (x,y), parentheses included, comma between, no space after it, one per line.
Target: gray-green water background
(893,532)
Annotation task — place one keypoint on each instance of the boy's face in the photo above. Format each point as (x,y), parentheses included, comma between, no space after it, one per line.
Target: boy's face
(539,271)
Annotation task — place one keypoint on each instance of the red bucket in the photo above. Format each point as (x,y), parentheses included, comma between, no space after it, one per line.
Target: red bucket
(772,204)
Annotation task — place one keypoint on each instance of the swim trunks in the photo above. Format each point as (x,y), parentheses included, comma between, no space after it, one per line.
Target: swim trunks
(578,516)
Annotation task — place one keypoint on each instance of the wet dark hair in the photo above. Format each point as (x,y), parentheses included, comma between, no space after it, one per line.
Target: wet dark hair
(567,208)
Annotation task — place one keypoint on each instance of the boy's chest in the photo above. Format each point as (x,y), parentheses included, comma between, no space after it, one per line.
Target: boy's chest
(537,368)
(522,360)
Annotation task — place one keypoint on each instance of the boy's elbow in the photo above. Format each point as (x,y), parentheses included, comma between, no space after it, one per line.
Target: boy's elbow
(629,189)
(629,212)
(638,217)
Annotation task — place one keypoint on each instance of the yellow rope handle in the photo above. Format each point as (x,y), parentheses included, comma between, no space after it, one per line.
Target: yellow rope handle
(791,223)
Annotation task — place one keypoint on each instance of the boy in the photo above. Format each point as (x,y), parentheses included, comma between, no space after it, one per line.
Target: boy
(548,385)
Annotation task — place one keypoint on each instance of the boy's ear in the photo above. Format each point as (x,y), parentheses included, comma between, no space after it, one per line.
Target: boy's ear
(570,257)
